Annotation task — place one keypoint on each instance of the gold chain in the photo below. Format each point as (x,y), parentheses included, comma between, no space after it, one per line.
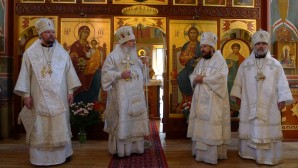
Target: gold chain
(47,69)
(260,75)
(205,66)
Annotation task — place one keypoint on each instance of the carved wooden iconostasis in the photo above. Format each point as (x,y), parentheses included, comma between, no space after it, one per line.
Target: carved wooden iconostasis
(165,24)
(290,112)
(235,33)
(286,53)
(284,39)
(149,33)
(178,36)
(231,31)
(27,33)
(98,38)
(69,36)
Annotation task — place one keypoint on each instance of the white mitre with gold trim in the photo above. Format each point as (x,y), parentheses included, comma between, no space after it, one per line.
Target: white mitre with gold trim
(44,24)
(208,38)
(124,34)
(261,36)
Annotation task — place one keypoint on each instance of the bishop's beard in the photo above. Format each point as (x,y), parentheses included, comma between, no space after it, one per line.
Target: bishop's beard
(207,55)
(131,51)
(261,53)
(49,41)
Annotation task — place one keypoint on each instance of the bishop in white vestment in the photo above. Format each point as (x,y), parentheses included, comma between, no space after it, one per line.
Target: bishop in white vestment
(126,118)
(46,82)
(209,120)
(262,90)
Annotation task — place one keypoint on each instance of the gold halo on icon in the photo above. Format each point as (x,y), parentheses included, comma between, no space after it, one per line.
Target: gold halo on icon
(141,50)
(91,27)
(192,25)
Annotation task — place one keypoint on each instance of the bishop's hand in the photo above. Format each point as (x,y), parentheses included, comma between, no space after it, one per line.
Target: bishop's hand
(28,102)
(145,60)
(198,79)
(281,105)
(126,74)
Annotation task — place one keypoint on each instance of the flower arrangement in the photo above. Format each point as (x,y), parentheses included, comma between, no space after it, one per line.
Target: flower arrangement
(83,115)
(186,109)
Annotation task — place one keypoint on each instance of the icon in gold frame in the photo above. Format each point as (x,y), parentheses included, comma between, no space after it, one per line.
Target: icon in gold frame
(186,2)
(214,2)
(94,1)
(243,3)
(32,1)
(63,1)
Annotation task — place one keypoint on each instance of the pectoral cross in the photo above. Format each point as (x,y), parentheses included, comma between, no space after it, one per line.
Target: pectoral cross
(128,62)
(50,70)
(260,76)
(43,71)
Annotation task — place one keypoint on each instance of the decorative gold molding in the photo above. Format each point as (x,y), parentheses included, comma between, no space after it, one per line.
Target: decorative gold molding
(139,10)
(290,127)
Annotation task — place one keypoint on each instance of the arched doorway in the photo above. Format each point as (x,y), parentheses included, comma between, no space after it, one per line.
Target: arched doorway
(235,48)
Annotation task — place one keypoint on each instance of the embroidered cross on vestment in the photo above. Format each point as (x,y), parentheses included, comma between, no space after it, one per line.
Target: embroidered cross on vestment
(272,65)
(212,67)
(249,65)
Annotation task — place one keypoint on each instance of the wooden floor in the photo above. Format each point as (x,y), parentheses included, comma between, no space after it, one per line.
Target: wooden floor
(94,154)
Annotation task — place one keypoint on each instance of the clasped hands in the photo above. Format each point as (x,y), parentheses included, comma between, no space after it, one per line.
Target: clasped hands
(198,79)
(126,74)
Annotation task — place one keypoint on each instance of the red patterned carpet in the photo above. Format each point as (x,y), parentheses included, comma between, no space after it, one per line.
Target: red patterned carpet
(153,156)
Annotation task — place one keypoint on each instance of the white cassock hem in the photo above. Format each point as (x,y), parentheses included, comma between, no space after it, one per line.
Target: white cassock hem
(210,154)
(127,148)
(53,157)
(271,156)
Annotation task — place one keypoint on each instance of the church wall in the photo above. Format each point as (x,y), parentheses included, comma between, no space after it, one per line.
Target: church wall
(173,11)
(6,68)
(283,27)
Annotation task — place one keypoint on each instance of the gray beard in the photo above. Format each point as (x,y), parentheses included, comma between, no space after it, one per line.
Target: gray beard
(131,51)
(260,54)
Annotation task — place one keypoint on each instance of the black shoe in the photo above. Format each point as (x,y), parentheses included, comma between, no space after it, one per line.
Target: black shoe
(115,156)
(68,159)
(138,154)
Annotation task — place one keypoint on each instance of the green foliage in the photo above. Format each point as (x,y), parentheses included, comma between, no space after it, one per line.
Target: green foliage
(83,115)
